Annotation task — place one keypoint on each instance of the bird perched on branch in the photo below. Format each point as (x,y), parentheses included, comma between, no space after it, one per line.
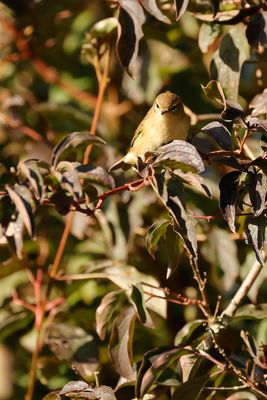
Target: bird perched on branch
(165,121)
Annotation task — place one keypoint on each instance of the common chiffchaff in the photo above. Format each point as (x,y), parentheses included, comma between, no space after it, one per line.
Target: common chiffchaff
(165,121)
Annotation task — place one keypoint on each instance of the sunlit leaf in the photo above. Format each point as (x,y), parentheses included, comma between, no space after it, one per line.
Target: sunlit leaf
(193,180)
(228,60)
(30,170)
(120,345)
(22,198)
(179,154)
(255,232)
(214,92)
(185,333)
(105,311)
(257,190)
(259,104)
(252,311)
(73,140)
(228,196)
(220,133)
(131,19)
(181,6)
(208,33)
(153,9)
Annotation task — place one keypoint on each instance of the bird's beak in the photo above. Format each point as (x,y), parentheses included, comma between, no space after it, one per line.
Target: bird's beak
(163,111)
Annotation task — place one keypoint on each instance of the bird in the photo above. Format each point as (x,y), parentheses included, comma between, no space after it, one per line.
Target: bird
(165,121)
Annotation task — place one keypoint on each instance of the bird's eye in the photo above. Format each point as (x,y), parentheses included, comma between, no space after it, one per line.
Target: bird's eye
(157,105)
(174,108)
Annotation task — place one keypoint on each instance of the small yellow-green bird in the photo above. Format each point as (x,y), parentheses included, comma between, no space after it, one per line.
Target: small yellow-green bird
(165,121)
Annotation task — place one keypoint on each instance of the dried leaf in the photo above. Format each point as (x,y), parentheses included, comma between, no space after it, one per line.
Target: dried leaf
(22,198)
(228,196)
(220,133)
(131,19)
(255,232)
(137,298)
(120,345)
(105,311)
(73,140)
(179,154)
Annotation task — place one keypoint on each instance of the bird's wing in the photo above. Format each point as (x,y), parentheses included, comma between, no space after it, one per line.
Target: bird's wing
(140,129)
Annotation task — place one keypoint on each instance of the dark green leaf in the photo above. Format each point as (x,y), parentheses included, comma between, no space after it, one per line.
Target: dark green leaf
(62,202)
(155,233)
(120,345)
(232,111)
(228,196)
(214,92)
(22,198)
(105,311)
(186,332)
(220,133)
(257,190)
(215,6)
(153,9)
(255,232)
(191,389)
(73,140)
(231,162)
(131,19)
(159,363)
(137,298)
(257,29)
(181,6)
(179,154)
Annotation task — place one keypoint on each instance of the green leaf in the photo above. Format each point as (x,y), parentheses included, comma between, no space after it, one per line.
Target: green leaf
(193,180)
(131,19)
(214,92)
(137,298)
(220,133)
(73,140)
(155,233)
(120,345)
(186,332)
(191,389)
(105,311)
(252,311)
(228,60)
(228,196)
(179,154)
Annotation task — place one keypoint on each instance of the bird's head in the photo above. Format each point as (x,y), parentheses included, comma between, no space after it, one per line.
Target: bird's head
(167,102)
